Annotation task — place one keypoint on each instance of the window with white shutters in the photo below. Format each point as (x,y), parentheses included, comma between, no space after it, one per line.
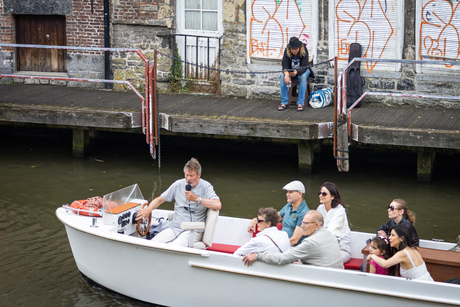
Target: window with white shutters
(272,22)
(437,35)
(376,25)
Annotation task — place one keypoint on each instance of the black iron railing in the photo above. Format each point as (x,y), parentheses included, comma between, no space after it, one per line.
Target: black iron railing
(198,39)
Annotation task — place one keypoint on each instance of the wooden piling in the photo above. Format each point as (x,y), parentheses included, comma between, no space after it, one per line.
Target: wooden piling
(305,152)
(342,144)
(80,142)
(425,161)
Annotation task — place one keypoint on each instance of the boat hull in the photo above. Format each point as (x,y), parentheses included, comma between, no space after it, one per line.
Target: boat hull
(177,276)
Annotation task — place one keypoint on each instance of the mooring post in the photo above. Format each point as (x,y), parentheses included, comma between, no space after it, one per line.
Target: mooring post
(305,151)
(425,161)
(80,142)
(343,163)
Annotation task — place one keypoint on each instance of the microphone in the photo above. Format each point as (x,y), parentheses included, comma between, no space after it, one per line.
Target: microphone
(188,187)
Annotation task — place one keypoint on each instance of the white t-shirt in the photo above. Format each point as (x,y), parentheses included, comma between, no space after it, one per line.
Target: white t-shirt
(336,222)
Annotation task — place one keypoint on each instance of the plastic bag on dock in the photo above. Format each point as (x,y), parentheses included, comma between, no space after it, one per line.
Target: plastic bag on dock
(321,98)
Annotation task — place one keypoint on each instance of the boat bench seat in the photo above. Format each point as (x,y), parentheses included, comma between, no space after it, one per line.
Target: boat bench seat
(223,248)
(353,264)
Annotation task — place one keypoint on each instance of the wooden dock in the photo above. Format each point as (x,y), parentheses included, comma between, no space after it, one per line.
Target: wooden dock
(83,110)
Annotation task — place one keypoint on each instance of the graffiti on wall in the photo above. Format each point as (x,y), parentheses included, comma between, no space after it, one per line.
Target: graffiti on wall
(439,30)
(273,22)
(370,23)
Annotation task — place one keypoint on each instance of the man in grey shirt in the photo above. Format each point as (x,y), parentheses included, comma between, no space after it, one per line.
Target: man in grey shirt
(190,205)
(319,248)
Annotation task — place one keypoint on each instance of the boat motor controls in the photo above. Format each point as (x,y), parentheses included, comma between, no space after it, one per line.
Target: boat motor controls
(120,209)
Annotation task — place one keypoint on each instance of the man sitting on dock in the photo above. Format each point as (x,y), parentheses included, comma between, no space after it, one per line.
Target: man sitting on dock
(319,248)
(193,196)
(292,213)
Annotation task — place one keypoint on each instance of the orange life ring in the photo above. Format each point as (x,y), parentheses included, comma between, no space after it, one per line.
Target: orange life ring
(80,204)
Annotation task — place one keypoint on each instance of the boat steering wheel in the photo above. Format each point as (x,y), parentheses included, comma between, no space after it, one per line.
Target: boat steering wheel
(143,226)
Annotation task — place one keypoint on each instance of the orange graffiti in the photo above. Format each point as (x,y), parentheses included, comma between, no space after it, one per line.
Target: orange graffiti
(368,25)
(272,23)
(439,36)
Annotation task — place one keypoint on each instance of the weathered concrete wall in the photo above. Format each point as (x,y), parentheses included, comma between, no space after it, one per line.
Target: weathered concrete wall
(38,7)
(146,27)
(129,66)
(85,66)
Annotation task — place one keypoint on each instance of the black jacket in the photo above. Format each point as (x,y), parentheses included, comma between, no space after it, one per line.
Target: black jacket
(287,62)
(405,221)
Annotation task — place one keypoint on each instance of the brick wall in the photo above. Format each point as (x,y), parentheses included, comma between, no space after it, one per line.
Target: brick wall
(85,27)
(137,11)
(7,33)
(7,36)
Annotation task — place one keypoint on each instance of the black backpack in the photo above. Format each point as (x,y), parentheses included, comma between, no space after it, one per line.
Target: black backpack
(354,80)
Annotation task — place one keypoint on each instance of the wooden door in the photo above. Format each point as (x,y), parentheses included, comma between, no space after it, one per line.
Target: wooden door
(41,30)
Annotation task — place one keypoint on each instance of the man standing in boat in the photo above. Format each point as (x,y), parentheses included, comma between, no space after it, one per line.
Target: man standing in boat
(319,248)
(193,196)
(292,213)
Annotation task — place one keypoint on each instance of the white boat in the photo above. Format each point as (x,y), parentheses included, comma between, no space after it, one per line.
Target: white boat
(181,276)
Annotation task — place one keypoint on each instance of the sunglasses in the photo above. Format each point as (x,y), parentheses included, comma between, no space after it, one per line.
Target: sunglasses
(322,193)
(260,221)
(392,208)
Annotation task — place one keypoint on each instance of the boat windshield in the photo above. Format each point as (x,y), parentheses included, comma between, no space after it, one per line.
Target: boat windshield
(118,198)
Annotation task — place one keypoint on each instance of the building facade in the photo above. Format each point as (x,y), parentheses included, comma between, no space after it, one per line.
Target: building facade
(249,37)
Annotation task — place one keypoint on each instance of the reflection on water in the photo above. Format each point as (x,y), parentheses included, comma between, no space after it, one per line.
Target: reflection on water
(39,174)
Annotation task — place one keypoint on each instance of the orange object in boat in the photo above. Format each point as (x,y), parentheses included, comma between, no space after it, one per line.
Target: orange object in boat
(80,204)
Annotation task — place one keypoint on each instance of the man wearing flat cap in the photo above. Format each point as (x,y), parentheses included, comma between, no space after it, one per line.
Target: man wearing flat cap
(294,64)
(292,213)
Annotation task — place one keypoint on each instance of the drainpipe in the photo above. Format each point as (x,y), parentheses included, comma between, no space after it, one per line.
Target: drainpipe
(107,43)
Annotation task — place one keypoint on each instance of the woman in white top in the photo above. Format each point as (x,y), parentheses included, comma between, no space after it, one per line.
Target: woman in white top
(269,239)
(412,264)
(335,217)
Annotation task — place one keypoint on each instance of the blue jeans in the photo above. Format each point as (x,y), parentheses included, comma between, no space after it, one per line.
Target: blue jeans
(302,88)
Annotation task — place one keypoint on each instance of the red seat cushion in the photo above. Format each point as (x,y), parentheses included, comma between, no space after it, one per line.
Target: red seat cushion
(223,248)
(353,264)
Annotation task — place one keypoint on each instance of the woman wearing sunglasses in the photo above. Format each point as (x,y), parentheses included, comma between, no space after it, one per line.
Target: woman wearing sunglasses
(335,217)
(399,214)
(411,262)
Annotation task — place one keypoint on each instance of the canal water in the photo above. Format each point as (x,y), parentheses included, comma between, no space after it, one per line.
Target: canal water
(39,174)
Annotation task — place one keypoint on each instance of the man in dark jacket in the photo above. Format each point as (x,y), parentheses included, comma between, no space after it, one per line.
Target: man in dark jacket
(294,64)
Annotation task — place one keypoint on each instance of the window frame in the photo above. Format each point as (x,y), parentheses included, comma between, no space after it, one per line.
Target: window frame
(181,21)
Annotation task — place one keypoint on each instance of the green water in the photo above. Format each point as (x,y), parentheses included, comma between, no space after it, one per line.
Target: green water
(38,174)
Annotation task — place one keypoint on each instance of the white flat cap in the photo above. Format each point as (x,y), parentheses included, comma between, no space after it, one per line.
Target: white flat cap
(295,185)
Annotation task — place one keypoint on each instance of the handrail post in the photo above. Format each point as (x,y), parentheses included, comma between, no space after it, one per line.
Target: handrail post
(155,96)
(335,108)
(196,58)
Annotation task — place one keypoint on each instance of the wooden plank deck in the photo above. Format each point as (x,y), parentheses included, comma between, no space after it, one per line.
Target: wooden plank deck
(101,109)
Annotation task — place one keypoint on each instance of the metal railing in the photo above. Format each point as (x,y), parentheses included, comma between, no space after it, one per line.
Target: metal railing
(207,39)
(150,113)
(343,114)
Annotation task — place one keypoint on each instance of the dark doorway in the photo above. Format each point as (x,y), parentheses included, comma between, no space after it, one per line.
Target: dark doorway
(41,30)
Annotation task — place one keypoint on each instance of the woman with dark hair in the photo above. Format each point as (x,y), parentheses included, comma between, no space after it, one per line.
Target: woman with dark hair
(399,214)
(412,264)
(335,217)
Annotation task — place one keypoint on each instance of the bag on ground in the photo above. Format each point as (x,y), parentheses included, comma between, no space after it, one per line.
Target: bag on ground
(321,98)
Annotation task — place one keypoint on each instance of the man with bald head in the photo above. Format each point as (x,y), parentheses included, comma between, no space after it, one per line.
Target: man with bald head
(319,248)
